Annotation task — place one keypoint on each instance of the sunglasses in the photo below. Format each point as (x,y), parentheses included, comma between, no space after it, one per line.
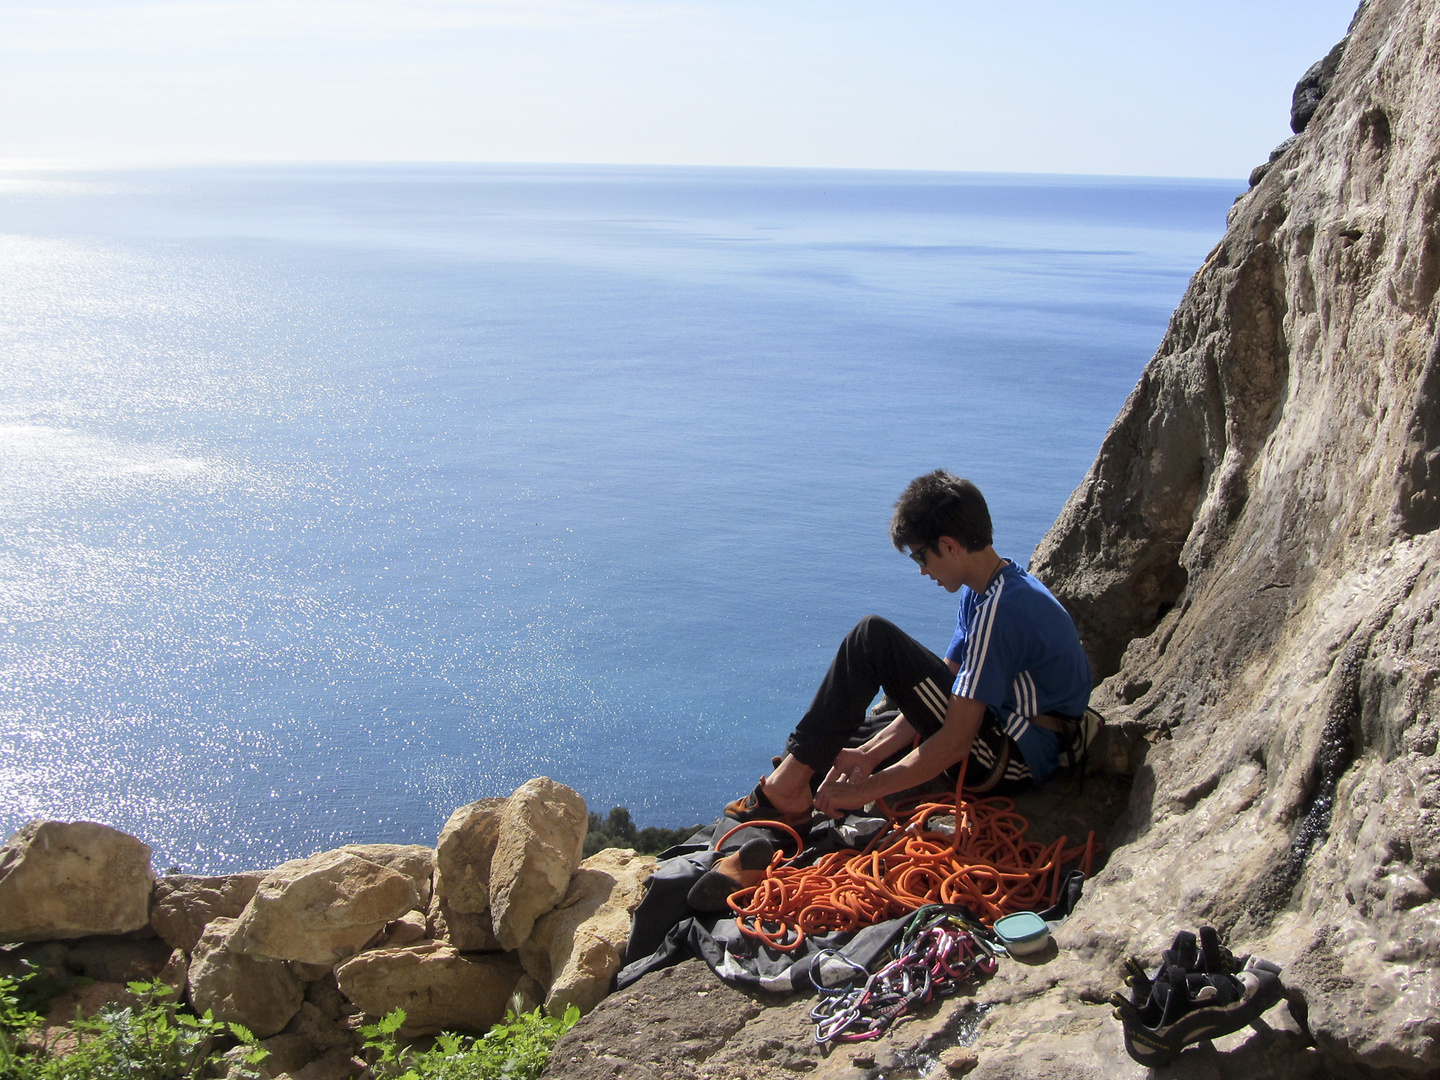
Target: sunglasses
(920,554)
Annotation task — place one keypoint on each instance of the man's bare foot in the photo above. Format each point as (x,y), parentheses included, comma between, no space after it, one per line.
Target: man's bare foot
(788,787)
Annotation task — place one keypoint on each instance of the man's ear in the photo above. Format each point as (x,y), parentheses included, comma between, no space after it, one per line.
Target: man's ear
(948,545)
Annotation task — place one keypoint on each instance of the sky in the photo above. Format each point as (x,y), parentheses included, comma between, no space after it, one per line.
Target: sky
(1192,88)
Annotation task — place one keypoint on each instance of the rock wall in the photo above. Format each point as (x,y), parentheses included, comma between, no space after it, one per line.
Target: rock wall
(307,952)
(1252,563)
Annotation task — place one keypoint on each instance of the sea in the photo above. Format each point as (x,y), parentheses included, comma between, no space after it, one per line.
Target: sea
(333,498)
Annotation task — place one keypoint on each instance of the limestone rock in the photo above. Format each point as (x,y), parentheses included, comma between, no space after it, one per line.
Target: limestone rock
(406,930)
(958,1062)
(321,909)
(118,959)
(415,861)
(1312,88)
(575,949)
(1254,564)
(261,994)
(175,972)
(336,1065)
(307,973)
(320,1031)
(542,834)
(438,987)
(68,879)
(528,994)
(665,1026)
(463,854)
(288,1053)
(325,995)
(184,903)
(468,933)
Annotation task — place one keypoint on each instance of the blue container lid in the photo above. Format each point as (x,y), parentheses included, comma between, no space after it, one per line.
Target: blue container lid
(1021,927)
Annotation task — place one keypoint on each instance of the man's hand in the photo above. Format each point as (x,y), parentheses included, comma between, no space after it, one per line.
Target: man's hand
(852,783)
(842,788)
(835,797)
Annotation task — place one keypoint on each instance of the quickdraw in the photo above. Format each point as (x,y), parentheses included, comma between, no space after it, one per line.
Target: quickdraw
(941,950)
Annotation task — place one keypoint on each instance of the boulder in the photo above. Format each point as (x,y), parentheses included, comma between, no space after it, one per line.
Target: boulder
(69,879)
(542,834)
(82,1000)
(325,995)
(415,861)
(463,854)
(261,994)
(468,933)
(336,1065)
(322,909)
(286,1054)
(118,959)
(307,973)
(175,972)
(48,957)
(528,994)
(1312,88)
(184,903)
(320,1031)
(439,988)
(575,949)
(406,930)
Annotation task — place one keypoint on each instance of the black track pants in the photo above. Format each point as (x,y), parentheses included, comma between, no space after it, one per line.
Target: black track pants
(876,655)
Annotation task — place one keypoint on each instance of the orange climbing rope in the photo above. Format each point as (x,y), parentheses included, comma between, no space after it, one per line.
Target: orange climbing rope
(987,865)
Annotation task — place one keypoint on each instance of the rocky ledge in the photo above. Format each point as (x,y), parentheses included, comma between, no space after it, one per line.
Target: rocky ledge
(501,913)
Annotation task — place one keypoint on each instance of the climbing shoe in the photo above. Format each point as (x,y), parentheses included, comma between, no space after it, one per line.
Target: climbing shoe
(757,807)
(1199,991)
(738,870)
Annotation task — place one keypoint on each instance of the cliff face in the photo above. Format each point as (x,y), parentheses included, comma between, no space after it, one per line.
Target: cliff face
(1252,563)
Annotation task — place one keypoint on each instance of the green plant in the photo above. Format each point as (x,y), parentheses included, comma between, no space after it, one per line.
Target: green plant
(150,1040)
(17,1025)
(514,1050)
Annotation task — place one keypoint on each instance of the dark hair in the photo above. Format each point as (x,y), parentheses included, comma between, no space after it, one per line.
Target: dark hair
(941,504)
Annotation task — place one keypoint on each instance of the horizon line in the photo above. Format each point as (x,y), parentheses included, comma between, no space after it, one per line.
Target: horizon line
(81,164)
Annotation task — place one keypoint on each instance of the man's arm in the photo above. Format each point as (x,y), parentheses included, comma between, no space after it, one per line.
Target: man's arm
(946,747)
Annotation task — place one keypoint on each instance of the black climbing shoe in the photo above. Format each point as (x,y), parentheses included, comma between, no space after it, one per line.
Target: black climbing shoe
(1199,992)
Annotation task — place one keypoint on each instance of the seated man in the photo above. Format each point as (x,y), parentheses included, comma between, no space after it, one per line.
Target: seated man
(1013,675)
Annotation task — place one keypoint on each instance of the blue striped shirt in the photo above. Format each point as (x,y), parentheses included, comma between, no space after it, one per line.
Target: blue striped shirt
(1019,654)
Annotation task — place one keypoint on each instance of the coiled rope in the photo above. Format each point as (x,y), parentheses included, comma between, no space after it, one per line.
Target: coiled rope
(987,866)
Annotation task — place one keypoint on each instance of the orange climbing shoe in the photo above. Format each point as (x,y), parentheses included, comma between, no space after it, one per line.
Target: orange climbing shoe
(757,807)
(738,870)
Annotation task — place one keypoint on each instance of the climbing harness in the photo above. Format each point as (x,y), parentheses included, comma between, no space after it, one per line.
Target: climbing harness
(940,951)
(986,865)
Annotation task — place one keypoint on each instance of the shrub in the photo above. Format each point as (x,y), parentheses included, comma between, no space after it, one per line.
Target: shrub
(618,830)
(151,1040)
(515,1050)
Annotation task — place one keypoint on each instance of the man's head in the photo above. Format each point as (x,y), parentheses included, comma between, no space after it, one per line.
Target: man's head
(940,504)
